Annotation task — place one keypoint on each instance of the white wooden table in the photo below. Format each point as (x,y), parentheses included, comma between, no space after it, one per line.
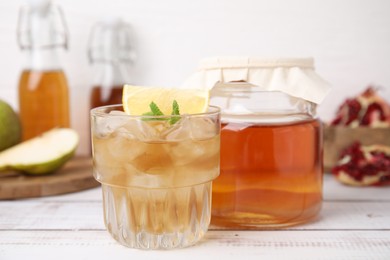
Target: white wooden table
(354,224)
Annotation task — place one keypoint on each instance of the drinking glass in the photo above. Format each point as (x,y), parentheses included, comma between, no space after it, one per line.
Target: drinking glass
(156,174)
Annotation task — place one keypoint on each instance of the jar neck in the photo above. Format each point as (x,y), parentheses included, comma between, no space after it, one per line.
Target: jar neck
(248,103)
(42,59)
(110,74)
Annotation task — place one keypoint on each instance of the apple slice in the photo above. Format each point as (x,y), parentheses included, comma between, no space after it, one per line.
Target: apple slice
(42,154)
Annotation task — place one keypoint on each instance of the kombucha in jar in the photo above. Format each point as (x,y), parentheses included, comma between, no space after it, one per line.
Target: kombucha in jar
(271,140)
(99,98)
(44,101)
(271,175)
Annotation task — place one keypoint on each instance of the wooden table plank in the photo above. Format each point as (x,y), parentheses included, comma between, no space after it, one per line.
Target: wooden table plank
(354,224)
(216,245)
(51,215)
(333,191)
(33,214)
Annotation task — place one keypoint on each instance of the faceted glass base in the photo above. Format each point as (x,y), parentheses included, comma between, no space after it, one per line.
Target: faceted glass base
(157,218)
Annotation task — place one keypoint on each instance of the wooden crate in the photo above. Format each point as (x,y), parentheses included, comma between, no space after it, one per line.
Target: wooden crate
(337,138)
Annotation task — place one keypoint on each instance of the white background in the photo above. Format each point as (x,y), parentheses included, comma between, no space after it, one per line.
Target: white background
(349,39)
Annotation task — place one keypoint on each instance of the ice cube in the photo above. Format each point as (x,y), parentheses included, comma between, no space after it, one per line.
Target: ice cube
(185,152)
(152,180)
(181,130)
(154,159)
(203,144)
(203,128)
(141,130)
(123,148)
(187,136)
(104,126)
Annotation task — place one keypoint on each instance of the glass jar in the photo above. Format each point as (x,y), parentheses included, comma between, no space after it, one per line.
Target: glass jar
(271,159)
(43,88)
(111,53)
(271,141)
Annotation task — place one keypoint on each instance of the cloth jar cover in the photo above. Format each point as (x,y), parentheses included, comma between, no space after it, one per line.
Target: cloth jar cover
(295,77)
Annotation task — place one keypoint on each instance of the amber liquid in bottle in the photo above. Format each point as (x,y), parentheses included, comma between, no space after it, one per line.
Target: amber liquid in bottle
(98,98)
(43,101)
(271,175)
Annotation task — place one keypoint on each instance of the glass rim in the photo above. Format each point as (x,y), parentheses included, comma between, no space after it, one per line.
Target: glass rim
(101,111)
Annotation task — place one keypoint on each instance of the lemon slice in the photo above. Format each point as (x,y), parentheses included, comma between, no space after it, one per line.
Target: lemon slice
(136,99)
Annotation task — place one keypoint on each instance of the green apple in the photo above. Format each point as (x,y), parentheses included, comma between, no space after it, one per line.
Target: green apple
(42,154)
(10,129)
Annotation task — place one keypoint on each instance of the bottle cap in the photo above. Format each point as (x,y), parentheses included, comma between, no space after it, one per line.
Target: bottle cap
(41,24)
(111,41)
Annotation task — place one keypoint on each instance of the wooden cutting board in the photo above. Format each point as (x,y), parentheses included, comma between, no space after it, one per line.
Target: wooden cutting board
(75,175)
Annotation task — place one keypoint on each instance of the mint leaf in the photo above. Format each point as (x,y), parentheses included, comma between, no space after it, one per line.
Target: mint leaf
(175,113)
(148,114)
(148,118)
(175,108)
(155,110)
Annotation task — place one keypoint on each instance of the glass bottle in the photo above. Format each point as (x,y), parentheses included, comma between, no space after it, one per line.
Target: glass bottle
(111,54)
(43,88)
(271,141)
